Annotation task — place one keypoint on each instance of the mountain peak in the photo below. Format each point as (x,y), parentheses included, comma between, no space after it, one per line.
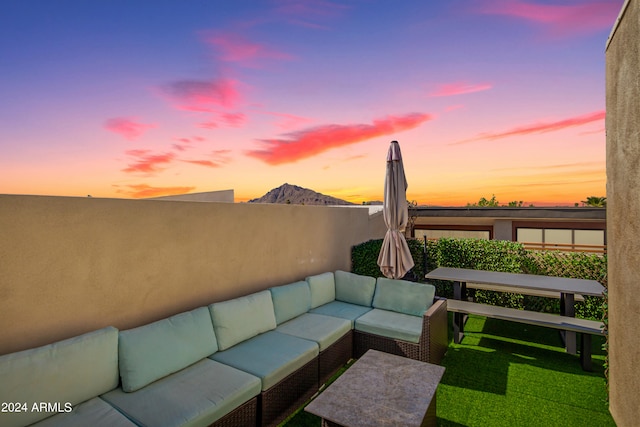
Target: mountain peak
(295,195)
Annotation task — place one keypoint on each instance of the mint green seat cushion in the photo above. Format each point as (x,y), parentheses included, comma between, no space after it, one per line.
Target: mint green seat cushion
(343,310)
(95,413)
(354,288)
(290,301)
(196,396)
(242,318)
(403,296)
(390,324)
(271,356)
(74,370)
(323,289)
(153,351)
(325,330)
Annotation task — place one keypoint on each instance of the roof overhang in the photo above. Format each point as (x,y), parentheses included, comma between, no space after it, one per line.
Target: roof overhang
(511,213)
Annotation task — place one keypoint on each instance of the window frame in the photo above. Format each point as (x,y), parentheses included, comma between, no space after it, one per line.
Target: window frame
(453,227)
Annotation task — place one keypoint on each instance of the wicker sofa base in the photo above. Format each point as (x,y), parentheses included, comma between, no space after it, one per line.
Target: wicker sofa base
(433,341)
(364,341)
(335,357)
(277,403)
(242,416)
(281,400)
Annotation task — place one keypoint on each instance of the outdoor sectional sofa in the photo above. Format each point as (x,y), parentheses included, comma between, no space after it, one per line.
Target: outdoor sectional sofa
(249,361)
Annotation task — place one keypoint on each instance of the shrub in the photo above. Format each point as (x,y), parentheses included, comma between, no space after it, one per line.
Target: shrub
(364,258)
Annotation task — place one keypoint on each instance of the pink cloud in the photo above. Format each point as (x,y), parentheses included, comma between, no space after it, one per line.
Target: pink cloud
(186,143)
(591,132)
(220,157)
(191,140)
(139,191)
(228,119)
(233,119)
(309,142)
(459,88)
(236,48)
(578,165)
(207,163)
(146,162)
(181,147)
(202,95)
(209,125)
(454,107)
(559,20)
(309,13)
(288,121)
(127,127)
(538,127)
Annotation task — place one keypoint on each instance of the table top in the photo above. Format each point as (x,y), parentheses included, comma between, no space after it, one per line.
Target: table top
(528,281)
(379,390)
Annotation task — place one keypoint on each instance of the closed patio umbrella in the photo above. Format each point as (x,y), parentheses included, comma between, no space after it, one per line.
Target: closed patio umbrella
(395,257)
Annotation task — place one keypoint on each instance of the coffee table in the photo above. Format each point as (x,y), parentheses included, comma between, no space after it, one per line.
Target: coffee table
(379,390)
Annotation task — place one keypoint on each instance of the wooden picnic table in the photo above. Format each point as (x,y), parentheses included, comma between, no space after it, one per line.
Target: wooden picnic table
(498,281)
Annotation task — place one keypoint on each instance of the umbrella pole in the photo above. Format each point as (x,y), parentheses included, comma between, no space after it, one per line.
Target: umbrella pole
(424,257)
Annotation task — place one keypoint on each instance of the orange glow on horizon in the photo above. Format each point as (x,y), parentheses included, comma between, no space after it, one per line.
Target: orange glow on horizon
(253,99)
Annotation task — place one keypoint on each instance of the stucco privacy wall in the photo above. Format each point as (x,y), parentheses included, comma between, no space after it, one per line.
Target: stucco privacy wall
(208,196)
(72,265)
(623,214)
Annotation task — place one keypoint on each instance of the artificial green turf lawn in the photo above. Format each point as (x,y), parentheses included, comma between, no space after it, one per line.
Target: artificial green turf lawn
(511,374)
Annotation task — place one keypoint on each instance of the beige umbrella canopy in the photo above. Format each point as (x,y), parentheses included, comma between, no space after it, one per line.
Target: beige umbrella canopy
(395,257)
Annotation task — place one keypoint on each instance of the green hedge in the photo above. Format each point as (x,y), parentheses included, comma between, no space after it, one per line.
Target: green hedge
(576,265)
(495,255)
(364,258)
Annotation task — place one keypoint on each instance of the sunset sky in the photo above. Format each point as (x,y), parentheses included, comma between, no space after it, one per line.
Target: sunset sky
(134,98)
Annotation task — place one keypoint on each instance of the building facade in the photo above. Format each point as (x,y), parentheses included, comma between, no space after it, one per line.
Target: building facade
(580,229)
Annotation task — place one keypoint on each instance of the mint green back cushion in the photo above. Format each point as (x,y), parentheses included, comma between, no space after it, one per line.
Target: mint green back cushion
(290,301)
(402,296)
(73,370)
(354,288)
(158,349)
(323,289)
(242,318)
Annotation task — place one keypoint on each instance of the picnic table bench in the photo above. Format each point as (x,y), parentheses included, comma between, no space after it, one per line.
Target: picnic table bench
(516,290)
(511,282)
(582,326)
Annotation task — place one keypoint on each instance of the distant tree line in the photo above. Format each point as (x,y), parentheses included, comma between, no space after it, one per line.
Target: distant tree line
(595,202)
(494,203)
(591,201)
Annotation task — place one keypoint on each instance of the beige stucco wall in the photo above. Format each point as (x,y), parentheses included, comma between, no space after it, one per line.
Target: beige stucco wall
(623,215)
(377,226)
(72,265)
(208,196)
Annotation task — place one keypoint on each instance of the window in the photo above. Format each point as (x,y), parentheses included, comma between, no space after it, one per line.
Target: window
(453,231)
(529,235)
(587,237)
